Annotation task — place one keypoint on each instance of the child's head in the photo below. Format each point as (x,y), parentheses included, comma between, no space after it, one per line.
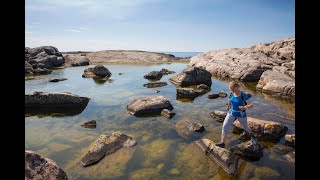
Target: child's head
(233,85)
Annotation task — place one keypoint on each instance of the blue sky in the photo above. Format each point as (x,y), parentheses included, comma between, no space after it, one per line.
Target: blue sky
(156,25)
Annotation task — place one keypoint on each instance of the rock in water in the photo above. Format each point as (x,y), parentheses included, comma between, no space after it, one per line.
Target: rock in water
(263,129)
(155,84)
(101,71)
(90,124)
(38,167)
(148,105)
(224,158)
(195,126)
(154,75)
(57,79)
(250,150)
(167,113)
(218,115)
(105,145)
(192,76)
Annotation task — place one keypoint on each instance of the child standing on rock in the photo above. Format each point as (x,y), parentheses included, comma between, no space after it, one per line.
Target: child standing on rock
(238,103)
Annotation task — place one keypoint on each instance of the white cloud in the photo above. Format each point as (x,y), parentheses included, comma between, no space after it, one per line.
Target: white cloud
(72,30)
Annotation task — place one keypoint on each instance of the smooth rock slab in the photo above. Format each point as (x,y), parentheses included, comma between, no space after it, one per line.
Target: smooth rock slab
(263,130)
(224,158)
(105,145)
(151,105)
(38,167)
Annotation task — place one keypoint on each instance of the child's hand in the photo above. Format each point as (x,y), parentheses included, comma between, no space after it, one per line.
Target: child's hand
(242,107)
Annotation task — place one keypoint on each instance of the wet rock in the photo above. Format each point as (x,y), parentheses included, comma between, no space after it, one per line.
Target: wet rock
(154,75)
(192,76)
(28,68)
(167,113)
(290,140)
(291,156)
(283,148)
(250,150)
(88,73)
(148,105)
(218,115)
(213,96)
(203,86)
(105,145)
(54,102)
(263,130)
(166,71)
(196,127)
(38,167)
(40,65)
(90,124)
(224,158)
(57,79)
(223,94)
(245,136)
(101,71)
(189,93)
(155,84)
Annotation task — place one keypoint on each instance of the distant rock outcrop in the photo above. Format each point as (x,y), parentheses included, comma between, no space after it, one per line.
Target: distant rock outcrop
(272,64)
(131,56)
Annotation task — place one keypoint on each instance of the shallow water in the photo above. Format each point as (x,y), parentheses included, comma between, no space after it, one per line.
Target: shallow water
(162,152)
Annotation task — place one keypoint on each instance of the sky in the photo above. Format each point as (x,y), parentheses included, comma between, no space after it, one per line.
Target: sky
(156,25)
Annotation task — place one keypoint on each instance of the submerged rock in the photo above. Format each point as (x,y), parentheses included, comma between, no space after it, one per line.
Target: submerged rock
(250,150)
(39,167)
(57,79)
(291,156)
(218,115)
(155,84)
(54,102)
(213,96)
(195,126)
(90,124)
(224,158)
(283,148)
(105,145)
(192,76)
(167,113)
(152,105)
(263,130)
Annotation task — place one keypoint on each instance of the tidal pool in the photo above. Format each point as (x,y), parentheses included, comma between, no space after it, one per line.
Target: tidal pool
(162,152)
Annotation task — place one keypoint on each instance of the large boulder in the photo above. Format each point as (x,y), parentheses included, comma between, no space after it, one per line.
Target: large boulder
(192,76)
(54,102)
(263,129)
(224,158)
(250,150)
(38,167)
(153,75)
(273,82)
(148,105)
(249,64)
(105,145)
(101,71)
(76,60)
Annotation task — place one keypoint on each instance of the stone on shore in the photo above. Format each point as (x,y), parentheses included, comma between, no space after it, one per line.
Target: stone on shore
(152,105)
(105,145)
(38,167)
